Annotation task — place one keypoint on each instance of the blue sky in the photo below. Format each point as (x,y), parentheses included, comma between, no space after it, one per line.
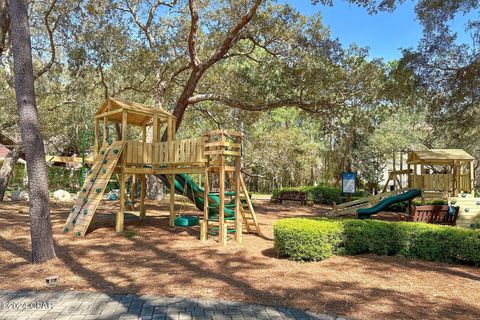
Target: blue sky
(384,33)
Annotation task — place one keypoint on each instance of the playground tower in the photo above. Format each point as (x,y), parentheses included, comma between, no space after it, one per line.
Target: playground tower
(216,155)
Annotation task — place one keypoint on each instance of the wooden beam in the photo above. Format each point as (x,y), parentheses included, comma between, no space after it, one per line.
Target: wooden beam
(120,218)
(63,159)
(172,200)
(155,129)
(105,130)
(472,179)
(95,142)
(143,212)
(204,225)
(107,114)
(221,209)
(124,125)
(238,216)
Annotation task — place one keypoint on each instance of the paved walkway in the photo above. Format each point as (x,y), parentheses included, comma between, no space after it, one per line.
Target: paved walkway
(71,305)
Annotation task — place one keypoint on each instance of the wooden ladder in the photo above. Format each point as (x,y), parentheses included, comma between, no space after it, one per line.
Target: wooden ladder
(246,210)
(93,189)
(246,207)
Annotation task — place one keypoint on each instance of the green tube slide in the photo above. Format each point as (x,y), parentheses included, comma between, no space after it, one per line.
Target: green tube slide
(365,213)
(184,185)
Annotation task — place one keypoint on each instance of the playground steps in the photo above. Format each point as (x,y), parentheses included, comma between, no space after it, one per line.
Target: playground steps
(93,189)
(246,210)
(469,209)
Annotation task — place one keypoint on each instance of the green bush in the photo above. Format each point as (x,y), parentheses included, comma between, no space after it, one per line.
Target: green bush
(321,194)
(434,202)
(63,178)
(307,239)
(416,240)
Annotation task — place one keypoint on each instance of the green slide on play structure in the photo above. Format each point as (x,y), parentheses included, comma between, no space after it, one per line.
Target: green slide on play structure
(184,185)
(364,213)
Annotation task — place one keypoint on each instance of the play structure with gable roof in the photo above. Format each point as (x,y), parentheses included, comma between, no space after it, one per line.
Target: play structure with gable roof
(216,156)
(446,174)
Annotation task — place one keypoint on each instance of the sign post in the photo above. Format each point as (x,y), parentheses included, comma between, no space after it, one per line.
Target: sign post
(349,183)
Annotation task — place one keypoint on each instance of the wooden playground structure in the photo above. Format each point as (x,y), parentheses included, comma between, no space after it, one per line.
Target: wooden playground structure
(435,171)
(445,174)
(216,156)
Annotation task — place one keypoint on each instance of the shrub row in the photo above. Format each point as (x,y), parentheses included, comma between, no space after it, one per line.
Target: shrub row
(307,239)
(313,240)
(321,194)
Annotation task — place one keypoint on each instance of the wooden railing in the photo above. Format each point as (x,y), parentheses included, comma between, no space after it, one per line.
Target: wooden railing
(181,152)
(440,182)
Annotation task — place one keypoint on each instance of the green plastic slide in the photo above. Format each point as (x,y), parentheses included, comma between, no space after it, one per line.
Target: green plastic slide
(184,185)
(365,213)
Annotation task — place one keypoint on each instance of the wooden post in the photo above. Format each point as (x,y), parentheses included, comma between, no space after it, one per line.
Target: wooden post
(203,230)
(105,130)
(401,169)
(223,234)
(143,212)
(155,129)
(454,179)
(414,175)
(204,226)
(394,169)
(238,230)
(95,150)
(172,200)
(124,125)
(221,209)
(238,216)
(132,188)
(120,218)
(170,138)
(422,177)
(472,178)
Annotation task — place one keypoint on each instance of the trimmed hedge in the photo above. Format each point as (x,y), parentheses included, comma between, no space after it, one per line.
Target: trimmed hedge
(313,239)
(300,239)
(321,194)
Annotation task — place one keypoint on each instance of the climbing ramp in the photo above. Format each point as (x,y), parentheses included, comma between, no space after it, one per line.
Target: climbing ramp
(92,192)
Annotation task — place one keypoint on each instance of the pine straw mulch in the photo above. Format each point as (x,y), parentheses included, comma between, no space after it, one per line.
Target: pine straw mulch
(152,258)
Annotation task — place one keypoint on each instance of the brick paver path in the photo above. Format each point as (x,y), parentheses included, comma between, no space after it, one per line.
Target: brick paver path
(71,305)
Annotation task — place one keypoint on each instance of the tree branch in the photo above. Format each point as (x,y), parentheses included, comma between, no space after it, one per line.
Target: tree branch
(232,34)
(50,31)
(192,37)
(316,106)
(151,13)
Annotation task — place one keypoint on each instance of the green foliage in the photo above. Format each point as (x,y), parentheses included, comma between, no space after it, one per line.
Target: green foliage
(62,178)
(17,181)
(435,202)
(321,194)
(416,240)
(307,239)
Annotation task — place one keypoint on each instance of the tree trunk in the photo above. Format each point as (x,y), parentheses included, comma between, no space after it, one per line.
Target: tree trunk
(40,224)
(7,170)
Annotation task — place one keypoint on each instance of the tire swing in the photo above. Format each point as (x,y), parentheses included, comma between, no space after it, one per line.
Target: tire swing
(183,220)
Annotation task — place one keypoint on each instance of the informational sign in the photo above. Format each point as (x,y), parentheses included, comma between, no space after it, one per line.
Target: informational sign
(348,182)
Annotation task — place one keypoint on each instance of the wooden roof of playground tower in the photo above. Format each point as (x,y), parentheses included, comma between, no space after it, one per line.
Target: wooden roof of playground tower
(440,156)
(137,113)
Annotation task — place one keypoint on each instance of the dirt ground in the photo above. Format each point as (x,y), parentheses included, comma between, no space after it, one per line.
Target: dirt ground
(152,258)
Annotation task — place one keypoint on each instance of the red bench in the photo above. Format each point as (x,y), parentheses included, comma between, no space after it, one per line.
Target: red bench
(436,214)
